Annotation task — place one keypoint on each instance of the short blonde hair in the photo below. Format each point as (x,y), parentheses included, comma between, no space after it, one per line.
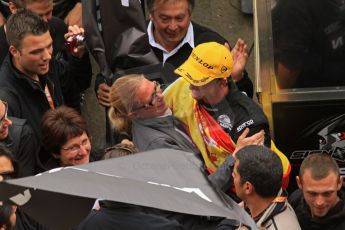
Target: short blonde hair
(123,98)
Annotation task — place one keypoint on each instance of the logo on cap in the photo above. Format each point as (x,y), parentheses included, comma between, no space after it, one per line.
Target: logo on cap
(223,69)
(202,62)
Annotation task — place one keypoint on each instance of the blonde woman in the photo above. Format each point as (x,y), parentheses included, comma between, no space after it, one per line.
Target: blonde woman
(138,109)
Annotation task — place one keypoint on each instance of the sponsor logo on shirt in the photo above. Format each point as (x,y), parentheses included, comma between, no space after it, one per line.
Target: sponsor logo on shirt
(224,121)
(244,125)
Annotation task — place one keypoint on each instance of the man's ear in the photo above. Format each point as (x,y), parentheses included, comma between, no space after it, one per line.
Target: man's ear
(12,7)
(224,82)
(14,51)
(56,156)
(299,182)
(248,188)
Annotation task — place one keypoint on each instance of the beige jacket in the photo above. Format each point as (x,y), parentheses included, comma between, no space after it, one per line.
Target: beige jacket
(279,216)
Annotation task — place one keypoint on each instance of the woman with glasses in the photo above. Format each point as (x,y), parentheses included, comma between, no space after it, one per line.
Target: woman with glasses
(65,137)
(138,110)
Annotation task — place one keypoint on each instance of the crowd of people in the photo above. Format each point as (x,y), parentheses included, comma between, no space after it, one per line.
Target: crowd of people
(207,110)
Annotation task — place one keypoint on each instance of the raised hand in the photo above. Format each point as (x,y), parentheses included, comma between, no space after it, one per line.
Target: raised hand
(79,50)
(240,56)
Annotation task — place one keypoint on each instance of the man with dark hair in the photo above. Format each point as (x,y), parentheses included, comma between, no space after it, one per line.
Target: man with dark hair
(257,178)
(43,8)
(319,202)
(57,29)
(260,168)
(30,78)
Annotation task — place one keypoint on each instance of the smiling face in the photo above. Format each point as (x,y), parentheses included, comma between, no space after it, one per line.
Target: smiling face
(171,20)
(320,195)
(75,151)
(150,101)
(33,57)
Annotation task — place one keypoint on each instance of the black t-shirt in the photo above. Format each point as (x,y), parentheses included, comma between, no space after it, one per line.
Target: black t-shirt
(309,36)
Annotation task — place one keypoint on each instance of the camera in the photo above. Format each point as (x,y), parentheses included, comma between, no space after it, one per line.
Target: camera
(74,41)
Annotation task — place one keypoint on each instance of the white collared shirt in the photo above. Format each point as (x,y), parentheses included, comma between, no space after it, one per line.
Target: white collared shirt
(189,38)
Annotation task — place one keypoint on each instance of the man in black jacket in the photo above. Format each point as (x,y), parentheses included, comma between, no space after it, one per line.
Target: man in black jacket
(44,9)
(30,79)
(57,29)
(319,203)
